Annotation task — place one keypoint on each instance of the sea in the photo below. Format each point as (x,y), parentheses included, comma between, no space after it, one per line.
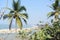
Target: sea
(10,36)
(6,26)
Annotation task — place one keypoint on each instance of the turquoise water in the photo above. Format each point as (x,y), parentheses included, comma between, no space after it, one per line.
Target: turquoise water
(10,36)
(5,26)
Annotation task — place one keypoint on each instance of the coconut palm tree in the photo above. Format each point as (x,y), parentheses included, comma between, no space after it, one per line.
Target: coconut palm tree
(17,14)
(56,10)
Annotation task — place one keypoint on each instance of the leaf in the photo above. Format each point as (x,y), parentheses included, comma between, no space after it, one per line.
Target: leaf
(10,20)
(23,15)
(13,4)
(48,36)
(16,5)
(50,14)
(7,16)
(25,20)
(56,4)
(22,8)
(11,11)
(51,7)
(19,22)
(52,21)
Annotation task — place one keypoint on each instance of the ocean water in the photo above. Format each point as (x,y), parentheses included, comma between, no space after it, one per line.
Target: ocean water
(10,36)
(6,26)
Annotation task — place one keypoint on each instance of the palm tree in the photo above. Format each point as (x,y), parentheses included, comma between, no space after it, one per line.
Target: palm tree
(17,14)
(56,10)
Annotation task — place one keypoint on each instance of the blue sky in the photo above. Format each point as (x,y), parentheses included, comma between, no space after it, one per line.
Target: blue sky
(36,9)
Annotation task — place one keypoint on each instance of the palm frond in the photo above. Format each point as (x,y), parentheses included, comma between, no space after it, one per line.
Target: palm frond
(13,4)
(16,5)
(56,4)
(50,14)
(23,15)
(11,11)
(19,22)
(25,20)
(22,8)
(10,24)
(7,16)
(51,7)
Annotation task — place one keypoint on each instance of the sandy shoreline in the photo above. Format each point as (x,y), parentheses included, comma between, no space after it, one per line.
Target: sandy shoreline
(14,30)
(6,34)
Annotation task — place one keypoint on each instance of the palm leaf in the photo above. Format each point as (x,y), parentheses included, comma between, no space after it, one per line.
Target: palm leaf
(13,4)
(22,8)
(19,22)
(50,14)
(16,5)
(7,16)
(25,20)
(11,11)
(56,4)
(51,7)
(10,20)
(23,15)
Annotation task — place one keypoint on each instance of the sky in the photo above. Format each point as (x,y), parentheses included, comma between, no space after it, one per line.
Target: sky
(37,10)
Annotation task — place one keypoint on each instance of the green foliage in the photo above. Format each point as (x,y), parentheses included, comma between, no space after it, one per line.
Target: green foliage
(50,14)
(55,5)
(49,32)
(56,8)
(23,34)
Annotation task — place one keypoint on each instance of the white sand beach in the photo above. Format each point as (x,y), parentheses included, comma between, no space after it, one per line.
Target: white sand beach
(6,34)
(14,30)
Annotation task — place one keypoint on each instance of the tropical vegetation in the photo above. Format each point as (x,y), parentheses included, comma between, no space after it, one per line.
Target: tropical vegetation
(48,32)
